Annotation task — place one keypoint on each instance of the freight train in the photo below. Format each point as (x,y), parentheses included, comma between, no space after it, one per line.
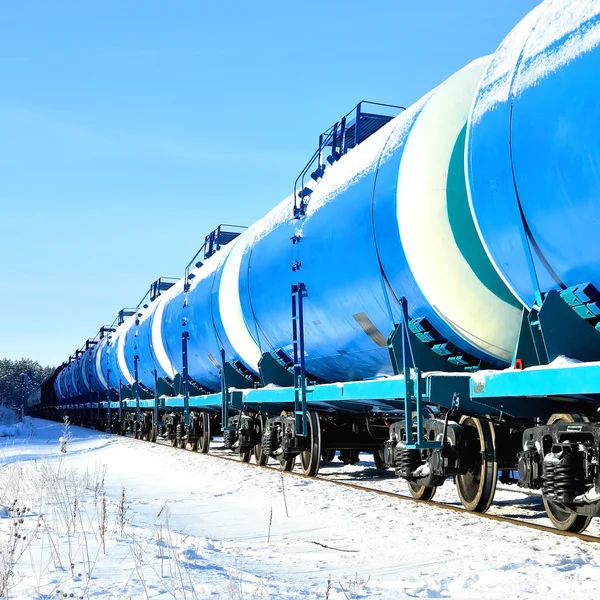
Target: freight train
(429,292)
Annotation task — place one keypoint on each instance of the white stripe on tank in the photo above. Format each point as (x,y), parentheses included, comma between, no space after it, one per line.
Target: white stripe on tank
(425,190)
(120,343)
(230,306)
(156,329)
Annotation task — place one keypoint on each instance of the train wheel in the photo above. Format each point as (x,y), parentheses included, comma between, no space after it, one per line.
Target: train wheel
(261,457)
(287,464)
(327,455)
(204,439)
(379,460)
(422,492)
(173,436)
(563,519)
(476,488)
(311,457)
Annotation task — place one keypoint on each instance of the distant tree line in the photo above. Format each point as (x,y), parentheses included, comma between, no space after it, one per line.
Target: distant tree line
(10,379)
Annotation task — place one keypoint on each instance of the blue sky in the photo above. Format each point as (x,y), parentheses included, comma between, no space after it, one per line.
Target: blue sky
(131,129)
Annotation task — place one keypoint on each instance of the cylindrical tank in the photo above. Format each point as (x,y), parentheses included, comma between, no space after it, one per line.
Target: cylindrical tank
(68,380)
(142,338)
(198,313)
(99,365)
(84,371)
(114,367)
(533,150)
(119,367)
(76,383)
(59,389)
(94,369)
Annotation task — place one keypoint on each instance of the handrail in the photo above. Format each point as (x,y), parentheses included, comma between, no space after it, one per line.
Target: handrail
(330,137)
(322,145)
(186,276)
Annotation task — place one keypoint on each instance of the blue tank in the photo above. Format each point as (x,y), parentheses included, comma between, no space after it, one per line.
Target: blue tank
(119,369)
(77,383)
(69,380)
(533,151)
(59,388)
(100,369)
(84,371)
(94,368)
(197,312)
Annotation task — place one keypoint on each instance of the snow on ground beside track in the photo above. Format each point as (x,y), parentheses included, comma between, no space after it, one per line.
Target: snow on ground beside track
(193,526)
(10,425)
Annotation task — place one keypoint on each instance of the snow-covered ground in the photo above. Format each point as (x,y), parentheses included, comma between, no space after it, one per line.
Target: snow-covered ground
(119,518)
(10,424)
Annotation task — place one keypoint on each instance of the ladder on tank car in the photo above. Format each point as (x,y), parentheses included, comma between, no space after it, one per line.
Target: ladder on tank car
(298,293)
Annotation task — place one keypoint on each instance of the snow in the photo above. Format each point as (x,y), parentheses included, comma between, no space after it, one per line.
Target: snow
(564,32)
(592,495)
(495,86)
(11,430)
(10,425)
(193,526)
(551,36)
(422,471)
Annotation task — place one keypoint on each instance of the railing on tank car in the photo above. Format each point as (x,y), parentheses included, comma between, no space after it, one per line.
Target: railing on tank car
(352,129)
(213,242)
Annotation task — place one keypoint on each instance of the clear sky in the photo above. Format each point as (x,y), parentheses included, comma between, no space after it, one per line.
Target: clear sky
(130,129)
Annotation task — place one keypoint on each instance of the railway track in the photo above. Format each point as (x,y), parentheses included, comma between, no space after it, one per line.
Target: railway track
(220,455)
